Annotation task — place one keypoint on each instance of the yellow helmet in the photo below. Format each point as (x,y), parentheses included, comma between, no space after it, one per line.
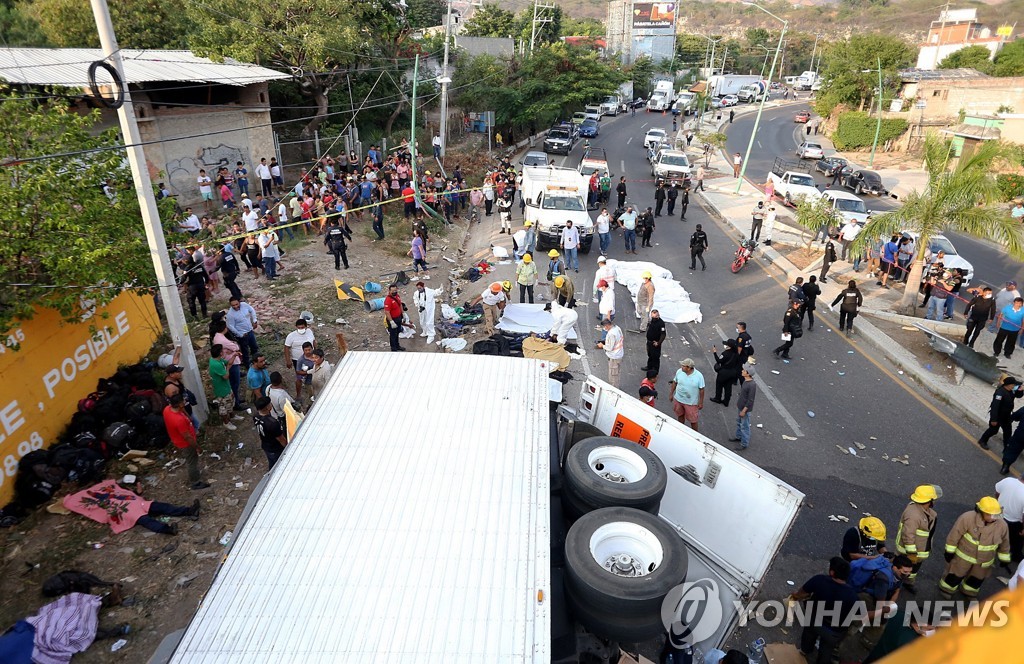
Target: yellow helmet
(552,254)
(559,282)
(527,223)
(527,258)
(873,527)
(926,493)
(506,285)
(647,275)
(990,505)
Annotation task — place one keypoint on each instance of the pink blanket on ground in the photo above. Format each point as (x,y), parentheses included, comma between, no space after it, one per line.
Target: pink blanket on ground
(108,503)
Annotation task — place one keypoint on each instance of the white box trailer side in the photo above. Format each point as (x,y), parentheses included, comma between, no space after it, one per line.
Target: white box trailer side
(408,520)
(733,515)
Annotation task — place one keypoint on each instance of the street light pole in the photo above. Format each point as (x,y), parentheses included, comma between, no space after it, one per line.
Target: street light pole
(878,125)
(760,108)
(445,80)
(176,323)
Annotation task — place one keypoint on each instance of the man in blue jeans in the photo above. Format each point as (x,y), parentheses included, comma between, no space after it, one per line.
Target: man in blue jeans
(744,406)
(570,244)
(604,231)
(242,322)
(627,221)
(1009,321)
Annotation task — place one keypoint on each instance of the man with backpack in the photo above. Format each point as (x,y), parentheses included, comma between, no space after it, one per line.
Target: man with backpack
(335,241)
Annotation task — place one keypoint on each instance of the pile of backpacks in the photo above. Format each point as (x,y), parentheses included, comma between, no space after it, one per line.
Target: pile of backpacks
(125,412)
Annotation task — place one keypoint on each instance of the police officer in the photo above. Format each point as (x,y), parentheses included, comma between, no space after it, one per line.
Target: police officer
(1000,412)
(698,245)
(659,199)
(228,265)
(334,238)
(645,227)
(672,194)
(684,202)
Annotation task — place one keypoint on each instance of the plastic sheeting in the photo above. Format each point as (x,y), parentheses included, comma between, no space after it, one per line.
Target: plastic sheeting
(526,318)
(670,298)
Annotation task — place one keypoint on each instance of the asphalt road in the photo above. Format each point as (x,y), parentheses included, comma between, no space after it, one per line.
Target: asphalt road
(834,393)
(778,135)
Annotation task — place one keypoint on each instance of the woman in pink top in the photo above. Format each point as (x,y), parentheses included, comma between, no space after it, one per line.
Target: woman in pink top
(227,196)
(232,355)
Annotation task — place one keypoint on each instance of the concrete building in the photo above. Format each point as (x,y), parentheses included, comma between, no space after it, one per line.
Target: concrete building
(194,113)
(946,97)
(957,29)
(637,29)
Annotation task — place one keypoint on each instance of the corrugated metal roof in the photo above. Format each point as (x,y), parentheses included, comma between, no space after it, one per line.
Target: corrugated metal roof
(406,522)
(69,67)
(963,73)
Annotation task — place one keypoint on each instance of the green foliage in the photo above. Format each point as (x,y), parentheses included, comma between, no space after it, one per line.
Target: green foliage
(426,13)
(973,57)
(138,23)
(757,36)
(492,21)
(1010,60)
(844,64)
(857,130)
(691,51)
(813,215)
(580,27)
(18,27)
(641,72)
(1011,186)
(54,234)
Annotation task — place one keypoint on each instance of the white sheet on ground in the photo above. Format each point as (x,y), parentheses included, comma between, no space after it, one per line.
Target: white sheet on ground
(670,298)
(526,318)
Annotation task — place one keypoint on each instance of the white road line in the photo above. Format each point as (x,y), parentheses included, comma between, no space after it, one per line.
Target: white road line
(759,145)
(644,125)
(629,140)
(622,167)
(767,391)
(562,162)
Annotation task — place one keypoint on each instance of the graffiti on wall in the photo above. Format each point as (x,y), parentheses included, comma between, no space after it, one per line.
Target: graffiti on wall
(182,173)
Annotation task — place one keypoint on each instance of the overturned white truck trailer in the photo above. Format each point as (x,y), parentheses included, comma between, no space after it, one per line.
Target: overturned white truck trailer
(417,515)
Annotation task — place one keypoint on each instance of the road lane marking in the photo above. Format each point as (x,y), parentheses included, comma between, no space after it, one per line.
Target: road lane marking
(767,391)
(644,125)
(759,145)
(629,140)
(622,167)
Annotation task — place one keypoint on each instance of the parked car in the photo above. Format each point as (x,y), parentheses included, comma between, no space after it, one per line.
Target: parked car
(953,258)
(864,182)
(589,128)
(592,112)
(730,100)
(560,139)
(828,165)
(534,158)
(654,137)
(578,117)
(810,151)
(639,102)
(846,206)
(802,117)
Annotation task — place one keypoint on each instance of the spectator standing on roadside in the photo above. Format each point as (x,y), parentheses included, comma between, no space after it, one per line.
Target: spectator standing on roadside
(627,221)
(700,182)
(242,321)
(183,435)
(687,393)
(613,349)
(1009,322)
(737,163)
(758,220)
(258,376)
(1004,298)
(980,311)
(603,228)
(744,406)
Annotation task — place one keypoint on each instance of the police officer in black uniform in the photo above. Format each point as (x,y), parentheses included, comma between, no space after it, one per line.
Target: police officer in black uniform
(1000,412)
(228,265)
(659,199)
(698,245)
(684,202)
(672,194)
(645,227)
(334,238)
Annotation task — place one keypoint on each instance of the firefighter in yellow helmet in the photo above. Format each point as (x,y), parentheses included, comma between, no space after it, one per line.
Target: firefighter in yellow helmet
(978,539)
(564,291)
(865,540)
(917,528)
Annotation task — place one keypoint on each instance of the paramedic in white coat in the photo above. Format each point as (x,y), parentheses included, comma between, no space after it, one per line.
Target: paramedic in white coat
(423,299)
(604,272)
(564,320)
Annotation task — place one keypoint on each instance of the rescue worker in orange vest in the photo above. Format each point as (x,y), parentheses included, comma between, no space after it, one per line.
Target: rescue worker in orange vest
(916,529)
(978,539)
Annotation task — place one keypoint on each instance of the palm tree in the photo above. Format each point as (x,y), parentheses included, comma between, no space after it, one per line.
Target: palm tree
(962,199)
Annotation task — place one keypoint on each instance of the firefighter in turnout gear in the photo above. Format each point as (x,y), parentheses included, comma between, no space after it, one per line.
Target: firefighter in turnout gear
(334,238)
(916,529)
(978,539)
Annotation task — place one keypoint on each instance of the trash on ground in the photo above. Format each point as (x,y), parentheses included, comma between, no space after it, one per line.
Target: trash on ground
(843,449)
(117,645)
(777,373)
(852,451)
(860,446)
(810,413)
(785,437)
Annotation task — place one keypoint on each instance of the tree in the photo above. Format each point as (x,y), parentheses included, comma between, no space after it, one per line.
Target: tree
(492,21)
(582,27)
(1010,60)
(138,23)
(641,72)
(757,36)
(964,198)
(70,245)
(426,13)
(319,48)
(973,57)
(849,70)
(813,215)
(18,27)
(691,51)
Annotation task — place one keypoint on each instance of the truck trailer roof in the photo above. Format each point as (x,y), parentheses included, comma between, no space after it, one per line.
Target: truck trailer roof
(396,527)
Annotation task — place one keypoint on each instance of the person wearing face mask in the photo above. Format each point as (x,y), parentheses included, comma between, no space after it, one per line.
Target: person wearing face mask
(758,214)
(744,341)
(424,300)
(980,310)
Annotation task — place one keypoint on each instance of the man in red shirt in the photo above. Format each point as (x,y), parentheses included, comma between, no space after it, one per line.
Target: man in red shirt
(183,435)
(393,309)
(409,197)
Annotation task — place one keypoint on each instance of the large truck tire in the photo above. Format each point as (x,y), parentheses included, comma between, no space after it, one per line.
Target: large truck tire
(620,565)
(610,472)
(577,431)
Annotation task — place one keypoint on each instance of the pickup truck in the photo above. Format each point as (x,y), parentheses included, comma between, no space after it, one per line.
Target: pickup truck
(671,167)
(793,181)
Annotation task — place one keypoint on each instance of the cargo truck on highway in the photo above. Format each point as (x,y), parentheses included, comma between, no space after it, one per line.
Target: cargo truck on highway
(479,519)
(729,84)
(662,97)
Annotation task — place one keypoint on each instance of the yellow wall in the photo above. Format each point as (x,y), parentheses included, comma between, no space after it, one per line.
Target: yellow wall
(47,366)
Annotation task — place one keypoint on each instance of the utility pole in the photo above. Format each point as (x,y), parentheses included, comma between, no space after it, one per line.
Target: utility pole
(539,19)
(176,323)
(878,122)
(445,80)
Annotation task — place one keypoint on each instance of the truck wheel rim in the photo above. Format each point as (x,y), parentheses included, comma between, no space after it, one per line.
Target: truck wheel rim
(616,464)
(626,549)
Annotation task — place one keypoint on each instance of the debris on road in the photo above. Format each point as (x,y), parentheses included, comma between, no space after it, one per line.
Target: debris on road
(785,437)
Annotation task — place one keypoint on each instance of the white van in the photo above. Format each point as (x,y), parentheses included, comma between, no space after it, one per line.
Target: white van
(847,206)
(553,196)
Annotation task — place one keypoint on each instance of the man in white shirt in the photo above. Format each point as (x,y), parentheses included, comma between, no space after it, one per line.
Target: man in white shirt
(250,218)
(205,189)
(437,146)
(1010,494)
(847,235)
(603,227)
(275,173)
(570,243)
(604,273)
(493,299)
(613,350)
(268,241)
(293,342)
(605,301)
(263,173)
(191,223)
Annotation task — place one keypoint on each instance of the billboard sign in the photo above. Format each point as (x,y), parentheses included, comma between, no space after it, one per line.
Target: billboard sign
(652,15)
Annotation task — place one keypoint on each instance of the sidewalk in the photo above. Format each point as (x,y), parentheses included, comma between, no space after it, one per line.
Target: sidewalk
(967,395)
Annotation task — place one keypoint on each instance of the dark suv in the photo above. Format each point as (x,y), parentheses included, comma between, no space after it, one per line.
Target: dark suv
(560,139)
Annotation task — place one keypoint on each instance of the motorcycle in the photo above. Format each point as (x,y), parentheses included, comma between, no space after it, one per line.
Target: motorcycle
(744,253)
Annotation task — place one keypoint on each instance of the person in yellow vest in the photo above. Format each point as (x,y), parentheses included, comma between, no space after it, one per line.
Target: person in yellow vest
(916,529)
(978,539)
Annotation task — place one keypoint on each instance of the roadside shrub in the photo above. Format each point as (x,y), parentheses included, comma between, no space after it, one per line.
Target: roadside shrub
(1011,185)
(857,130)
